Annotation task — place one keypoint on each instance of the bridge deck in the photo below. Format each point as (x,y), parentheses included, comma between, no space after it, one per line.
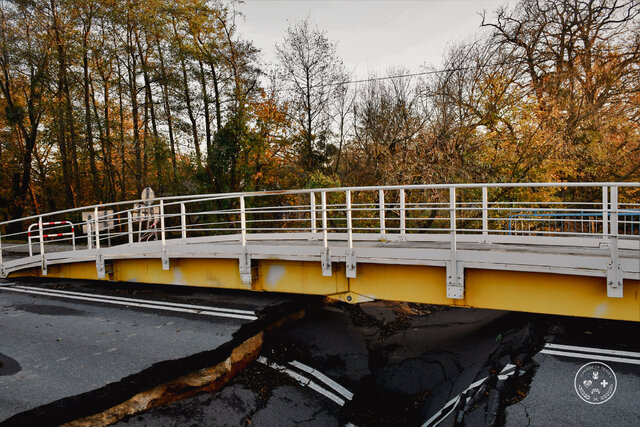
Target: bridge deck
(577,258)
(589,259)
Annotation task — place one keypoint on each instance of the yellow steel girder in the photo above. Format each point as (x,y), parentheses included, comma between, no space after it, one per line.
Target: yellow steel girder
(548,293)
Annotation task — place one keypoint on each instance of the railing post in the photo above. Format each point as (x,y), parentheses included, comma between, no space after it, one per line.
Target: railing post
(349,220)
(312,205)
(403,226)
(614,269)
(1,263)
(130,227)
(43,261)
(162,231)
(323,202)
(29,237)
(350,254)
(383,222)
(485,212)
(243,223)
(163,236)
(97,226)
(183,222)
(452,219)
(605,213)
(325,256)
(245,257)
(100,268)
(455,271)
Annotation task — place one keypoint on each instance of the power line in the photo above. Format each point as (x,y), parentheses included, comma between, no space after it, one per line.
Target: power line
(401,76)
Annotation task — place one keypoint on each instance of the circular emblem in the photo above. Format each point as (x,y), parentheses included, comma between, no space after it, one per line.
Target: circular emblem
(595,383)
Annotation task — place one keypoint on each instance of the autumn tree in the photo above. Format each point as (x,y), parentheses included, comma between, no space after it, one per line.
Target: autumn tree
(25,52)
(580,60)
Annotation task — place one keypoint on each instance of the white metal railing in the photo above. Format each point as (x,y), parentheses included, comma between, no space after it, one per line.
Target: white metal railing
(527,213)
(51,233)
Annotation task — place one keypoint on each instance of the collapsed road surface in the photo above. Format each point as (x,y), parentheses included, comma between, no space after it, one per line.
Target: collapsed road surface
(61,340)
(377,363)
(404,364)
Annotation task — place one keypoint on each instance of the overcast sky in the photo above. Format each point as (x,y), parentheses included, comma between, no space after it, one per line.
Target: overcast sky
(372,35)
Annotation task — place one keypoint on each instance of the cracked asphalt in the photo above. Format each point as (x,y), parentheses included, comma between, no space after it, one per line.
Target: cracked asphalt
(396,363)
(552,398)
(52,348)
(405,362)
(402,362)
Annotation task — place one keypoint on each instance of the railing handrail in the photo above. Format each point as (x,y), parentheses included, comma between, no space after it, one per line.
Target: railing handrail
(560,217)
(194,198)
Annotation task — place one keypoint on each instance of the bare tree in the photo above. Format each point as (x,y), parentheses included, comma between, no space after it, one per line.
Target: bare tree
(311,70)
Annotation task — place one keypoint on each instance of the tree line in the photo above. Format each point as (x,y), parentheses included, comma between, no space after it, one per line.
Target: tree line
(101,98)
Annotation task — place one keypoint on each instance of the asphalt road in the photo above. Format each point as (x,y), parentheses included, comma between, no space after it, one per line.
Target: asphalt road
(573,343)
(402,364)
(373,364)
(61,339)
(377,363)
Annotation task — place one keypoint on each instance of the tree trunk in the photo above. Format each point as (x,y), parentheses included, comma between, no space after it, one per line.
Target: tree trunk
(187,95)
(60,110)
(123,182)
(194,127)
(150,108)
(133,94)
(87,113)
(216,92)
(167,111)
(205,97)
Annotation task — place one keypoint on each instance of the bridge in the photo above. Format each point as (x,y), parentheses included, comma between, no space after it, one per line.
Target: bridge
(557,248)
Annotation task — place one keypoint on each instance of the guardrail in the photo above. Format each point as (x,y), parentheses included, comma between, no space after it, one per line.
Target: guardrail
(529,213)
(42,236)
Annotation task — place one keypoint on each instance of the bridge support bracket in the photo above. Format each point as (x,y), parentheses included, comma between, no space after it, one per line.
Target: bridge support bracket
(614,280)
(165,260)
(245,267)
(325,256)
(100,266)
(455,280)
(351,264)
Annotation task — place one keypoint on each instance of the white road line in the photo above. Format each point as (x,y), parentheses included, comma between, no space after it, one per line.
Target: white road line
(322,377)
(597,354)
(304,381)
(591,356)
(504,374)
(592,350)
(133,304)
(142,301)
(454,402)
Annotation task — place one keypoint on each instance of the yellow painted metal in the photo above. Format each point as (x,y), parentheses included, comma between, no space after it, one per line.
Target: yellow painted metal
(410,283)
(217,273)
(551,293)
(506,290)
(301,278)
